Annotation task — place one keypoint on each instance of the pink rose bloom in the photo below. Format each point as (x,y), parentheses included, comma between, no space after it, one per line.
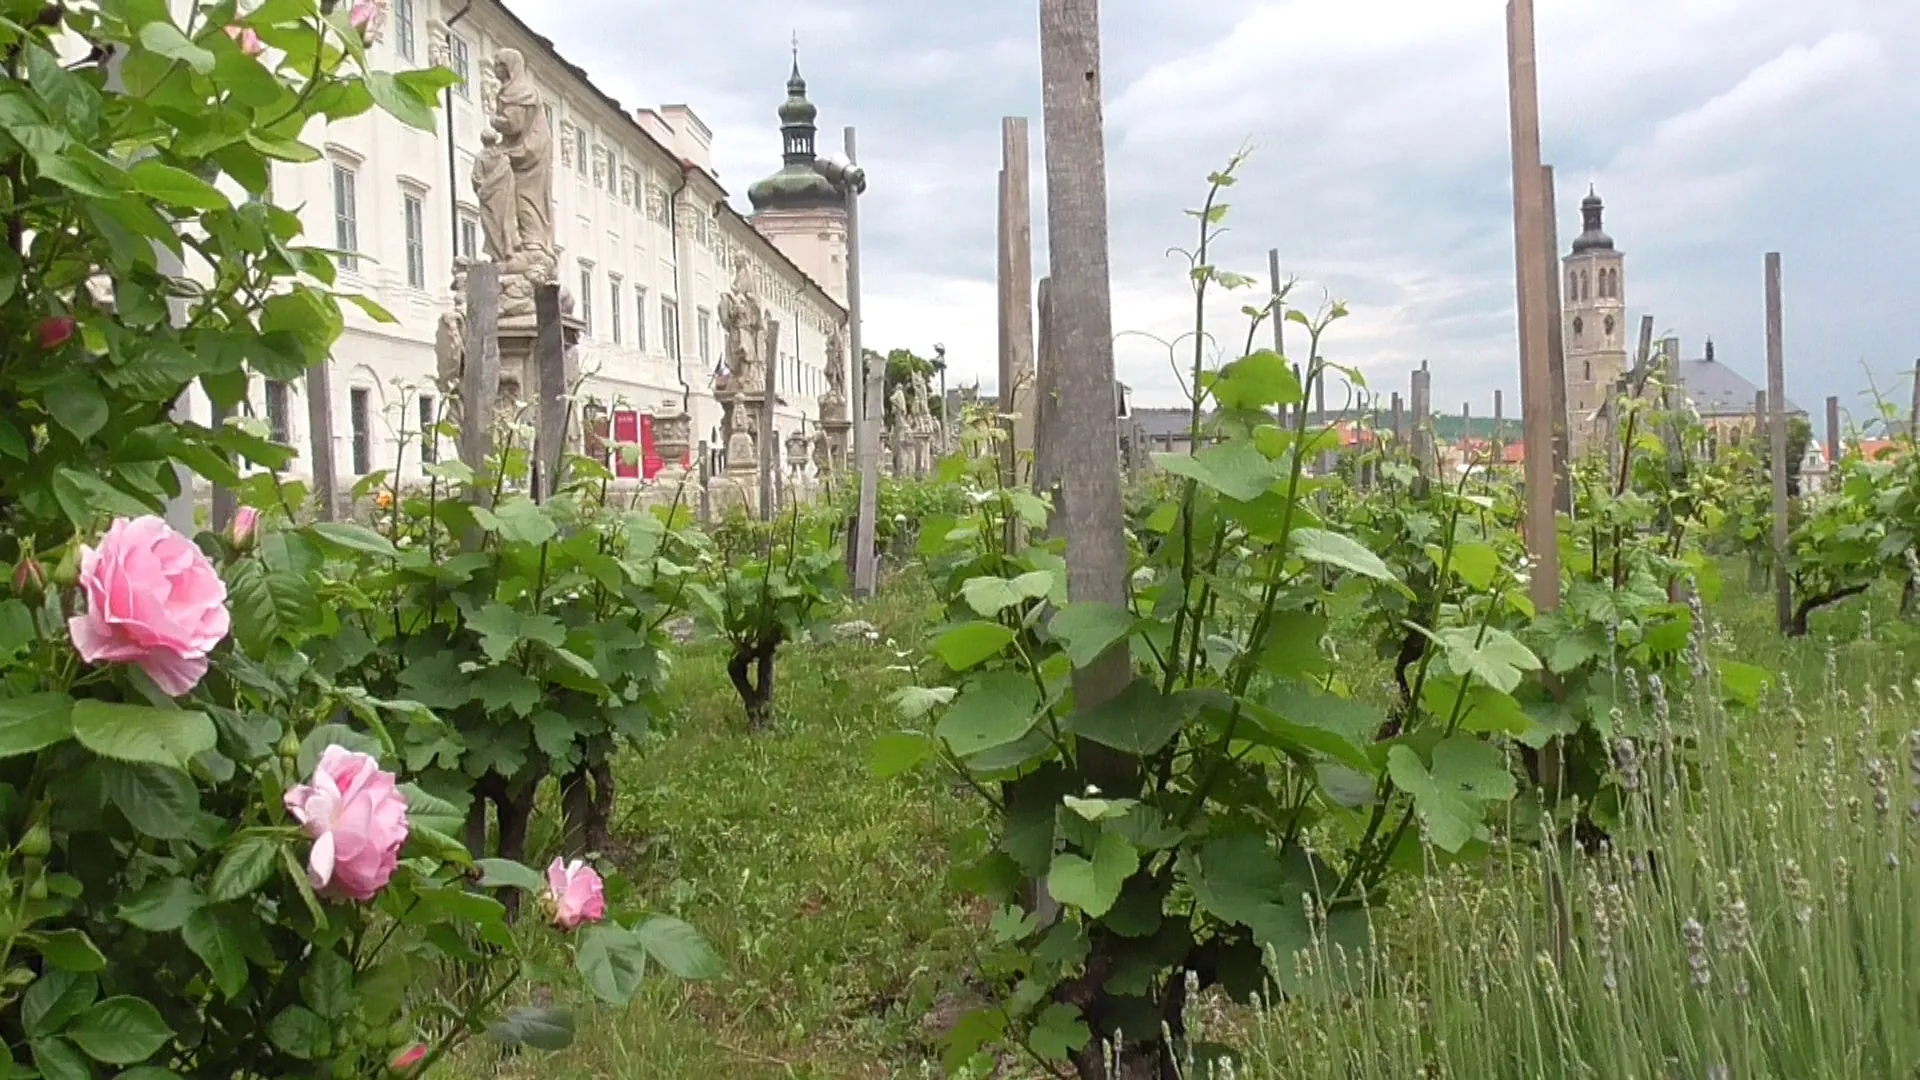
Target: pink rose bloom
(574,892)
(246,522)
(408,1058)
(357,817)
(153,600)
(248,40)
(365,17)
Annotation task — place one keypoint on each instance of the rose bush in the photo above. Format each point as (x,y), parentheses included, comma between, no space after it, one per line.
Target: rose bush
(213,860)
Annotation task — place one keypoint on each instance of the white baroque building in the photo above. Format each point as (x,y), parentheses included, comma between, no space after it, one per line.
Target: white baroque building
(647,243)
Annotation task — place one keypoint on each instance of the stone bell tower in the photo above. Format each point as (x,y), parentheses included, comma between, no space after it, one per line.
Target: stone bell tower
(1594,325)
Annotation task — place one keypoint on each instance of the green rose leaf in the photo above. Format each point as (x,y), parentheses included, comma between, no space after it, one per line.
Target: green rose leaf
(542,1029)
(612,960)
(76,404)
(68,950)
(301,1032)
(1093,885)
(993,710)
(58,1060)
(157,802)
(167,40)
(162,906)
(358,538)
(245,867)
(213,938)
(327,987)
(120,1031)
(175,187)
(55,998)
(678,947)
(507,874)
(35,722)
(143,734)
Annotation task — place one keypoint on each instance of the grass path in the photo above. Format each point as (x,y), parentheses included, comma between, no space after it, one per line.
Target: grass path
(822,887)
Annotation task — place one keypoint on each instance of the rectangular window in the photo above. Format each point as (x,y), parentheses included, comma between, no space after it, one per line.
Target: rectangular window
(461,63)
(670,327)
(346,218)
(360,416)
(704,320)
(586,298)
(640,317)
(429,438)
(614,288)
(415,212)
(469,238)
(403,28)
(580,148)
(279,416)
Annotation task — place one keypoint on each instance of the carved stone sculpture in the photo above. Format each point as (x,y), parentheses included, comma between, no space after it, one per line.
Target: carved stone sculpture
(493,186)
(745,322)
(837,364)
(528,142)
(741,456)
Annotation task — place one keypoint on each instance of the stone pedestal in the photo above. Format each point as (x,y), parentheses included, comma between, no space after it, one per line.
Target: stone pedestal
(837,446)
(519,372)
(901,446)
(922,452)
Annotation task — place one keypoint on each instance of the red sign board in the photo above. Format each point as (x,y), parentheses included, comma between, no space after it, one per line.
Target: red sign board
(626,433)
(650,461)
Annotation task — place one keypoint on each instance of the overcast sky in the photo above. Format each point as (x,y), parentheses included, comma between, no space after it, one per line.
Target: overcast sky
(1716,130)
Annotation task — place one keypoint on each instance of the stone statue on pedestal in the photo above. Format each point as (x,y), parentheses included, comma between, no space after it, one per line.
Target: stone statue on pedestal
(493,187)
(836,366)
(521,124)
(741,456)
(745,322)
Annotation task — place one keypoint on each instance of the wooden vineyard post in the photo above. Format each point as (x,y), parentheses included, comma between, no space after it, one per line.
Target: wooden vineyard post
(1777,425)
(765,447)
(865,407)
(1556,352)
(1016,295)
(1530,249)
(551,390)
(1833,436)
(480,378)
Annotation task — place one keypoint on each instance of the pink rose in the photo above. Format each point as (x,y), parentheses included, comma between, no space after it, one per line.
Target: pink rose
(55,331)
(246,523)
(357,817)
(575,895)
(408,1058)
(153,600)
(365,17)
(248,40)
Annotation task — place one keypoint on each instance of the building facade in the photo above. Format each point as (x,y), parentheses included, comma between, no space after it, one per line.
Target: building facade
(647,245)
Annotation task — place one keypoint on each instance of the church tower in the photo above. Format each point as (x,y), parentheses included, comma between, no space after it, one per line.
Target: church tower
(1594,324)
(800,208)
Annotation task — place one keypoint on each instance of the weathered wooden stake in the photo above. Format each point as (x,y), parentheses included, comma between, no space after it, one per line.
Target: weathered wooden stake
(1833,434)
(1777,422)
(1422,397)
(706,475)
(1016,295)
(865,429)
(1399,422)
(1530,249)
(1557,352)
(1913,413)
(1046,432)
(1499,427)
(767,446)
(550,409)
(480,379)
(326,470)
(1081,337)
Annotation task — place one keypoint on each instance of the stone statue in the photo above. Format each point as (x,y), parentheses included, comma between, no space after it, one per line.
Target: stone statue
(493,184)
(822,455)
(901,413)
(741,456)
(837,365)
(745,322)
(522,124)
(922,413)
(450,336)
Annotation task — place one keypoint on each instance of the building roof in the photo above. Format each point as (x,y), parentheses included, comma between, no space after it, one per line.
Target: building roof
(1718,390)
(1593,236)
(546,46)
(799,185)
(1164,423)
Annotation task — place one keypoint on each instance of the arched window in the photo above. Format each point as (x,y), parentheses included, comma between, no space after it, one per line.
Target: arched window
(1573,284)
(1588,367)
(1586,285)
(1579,327)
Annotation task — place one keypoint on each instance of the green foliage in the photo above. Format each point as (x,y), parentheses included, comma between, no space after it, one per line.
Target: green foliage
(766,585)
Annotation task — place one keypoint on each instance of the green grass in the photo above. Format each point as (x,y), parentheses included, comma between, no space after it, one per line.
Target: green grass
(824,889)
